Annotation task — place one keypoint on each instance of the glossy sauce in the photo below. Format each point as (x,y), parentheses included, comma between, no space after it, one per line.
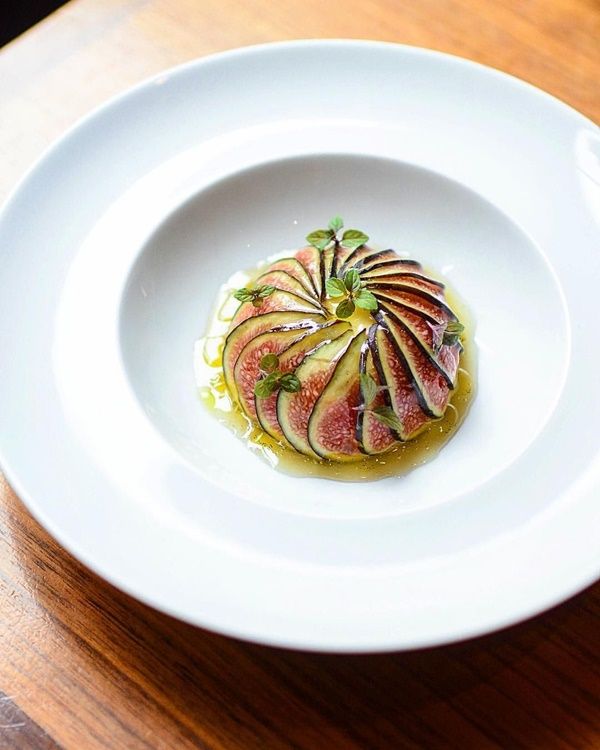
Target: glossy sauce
(400,459)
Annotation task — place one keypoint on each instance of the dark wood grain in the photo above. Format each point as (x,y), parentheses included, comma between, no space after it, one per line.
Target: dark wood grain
(18,731)
(86,667)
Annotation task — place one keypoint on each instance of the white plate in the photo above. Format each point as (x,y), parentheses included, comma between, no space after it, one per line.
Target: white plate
(112,249)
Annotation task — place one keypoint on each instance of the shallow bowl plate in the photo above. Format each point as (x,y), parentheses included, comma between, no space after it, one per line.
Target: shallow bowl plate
(114,246)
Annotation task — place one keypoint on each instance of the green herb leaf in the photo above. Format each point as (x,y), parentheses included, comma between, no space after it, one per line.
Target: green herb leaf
(335,287)
(243,295)
(255,296)
(366,300)
(452,333)
(437,335)
(353,238)
(320,238)
(352,280)
(263,388)
(266,386)
(368,388)
(290,383)
(345,309)
(387,416)
(336,224)
(269,362)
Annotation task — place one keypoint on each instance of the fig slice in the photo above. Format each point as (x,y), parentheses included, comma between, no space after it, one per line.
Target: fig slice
(294,409)
(278,301)
(431,386)
(374,436)
(289,360)
(405,278)
(252,327)
(297,270)
(286,283)
(422,327)
(247,368)
(332,423)
(311,259)
(394,371)
(327,260)
(340,255)
(380,257)
(417,299)
(357,256)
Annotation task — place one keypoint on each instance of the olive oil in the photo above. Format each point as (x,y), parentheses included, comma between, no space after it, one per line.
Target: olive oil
(400,459)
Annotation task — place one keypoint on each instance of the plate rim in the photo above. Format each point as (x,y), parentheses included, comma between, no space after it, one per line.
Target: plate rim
(585,579)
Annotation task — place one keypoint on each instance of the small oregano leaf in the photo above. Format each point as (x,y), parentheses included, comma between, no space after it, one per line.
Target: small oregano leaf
(264,291)
(352,280)
(243,295)
(387,416)
(320,238)
(289,382)
(366,300)
(335,287)
(353,238)
(266,386)
(368,388)
(269,362)
(452,333)
(336,224)
(255,296)
(345,308)
(437,335)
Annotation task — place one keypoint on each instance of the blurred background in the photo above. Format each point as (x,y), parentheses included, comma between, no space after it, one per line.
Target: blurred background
(18,15)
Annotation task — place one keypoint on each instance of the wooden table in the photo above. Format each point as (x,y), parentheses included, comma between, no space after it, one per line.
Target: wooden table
(82,665)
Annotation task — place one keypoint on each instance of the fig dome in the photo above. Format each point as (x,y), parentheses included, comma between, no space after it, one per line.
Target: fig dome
(342,352)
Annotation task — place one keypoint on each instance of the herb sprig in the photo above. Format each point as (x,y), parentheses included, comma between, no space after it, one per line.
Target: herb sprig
(384,414)
(256,295)
(273,379)
(323,238)
(352,290)
(446,334)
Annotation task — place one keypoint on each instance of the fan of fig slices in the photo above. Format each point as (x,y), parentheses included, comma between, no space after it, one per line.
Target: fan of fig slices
(340,351)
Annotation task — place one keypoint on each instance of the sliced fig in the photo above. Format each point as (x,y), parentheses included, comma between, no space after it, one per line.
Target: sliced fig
(356,256)
(246,331)
(310,258)
(378,258)
(422,326)
(393,369)
(374,436)
(340,255)
(430,382)
(278,301)
(297,270)
(416,280)
(287,283)
(418,299)
(247,367)
(327,257)
(289,360)
(332,423)
(294,409)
